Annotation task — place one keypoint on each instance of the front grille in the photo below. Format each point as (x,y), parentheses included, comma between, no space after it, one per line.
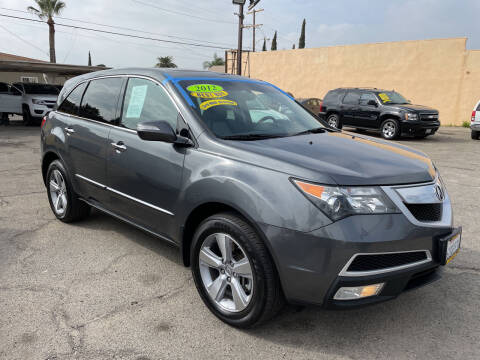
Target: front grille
(429,117)
(384,261)
(426,212)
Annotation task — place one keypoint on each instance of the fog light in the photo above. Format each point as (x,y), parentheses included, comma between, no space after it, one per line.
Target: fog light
(358,292)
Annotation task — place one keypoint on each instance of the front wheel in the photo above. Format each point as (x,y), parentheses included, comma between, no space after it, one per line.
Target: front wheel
(233,271)
(390,129)
(27,118)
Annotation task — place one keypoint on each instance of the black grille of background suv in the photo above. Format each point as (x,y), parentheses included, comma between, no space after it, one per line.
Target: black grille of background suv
(429,117)
(384,261)
(426,212)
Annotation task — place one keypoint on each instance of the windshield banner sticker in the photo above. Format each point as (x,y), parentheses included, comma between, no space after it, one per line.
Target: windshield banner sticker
(207,91)
(209,103)
(384,97)
(137,98)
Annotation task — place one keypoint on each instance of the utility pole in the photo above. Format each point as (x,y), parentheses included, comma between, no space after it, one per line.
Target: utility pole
(254,26)
(240,4)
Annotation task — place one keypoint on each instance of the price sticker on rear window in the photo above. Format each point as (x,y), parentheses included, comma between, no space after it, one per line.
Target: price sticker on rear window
(207,91)
(209,103)
(384,97)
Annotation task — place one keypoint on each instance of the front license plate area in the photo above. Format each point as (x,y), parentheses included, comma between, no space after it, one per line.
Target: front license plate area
(428,131)
(450,246)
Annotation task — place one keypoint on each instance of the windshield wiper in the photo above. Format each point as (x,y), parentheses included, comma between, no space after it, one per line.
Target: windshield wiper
(252,136)
(315,131)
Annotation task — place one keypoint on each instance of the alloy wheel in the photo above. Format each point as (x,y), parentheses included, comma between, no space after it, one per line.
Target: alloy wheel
(58,192)
(226,272)
(332,121)
(389,129)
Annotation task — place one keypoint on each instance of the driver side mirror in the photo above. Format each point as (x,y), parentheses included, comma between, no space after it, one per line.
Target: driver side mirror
(372,103)
(160,131)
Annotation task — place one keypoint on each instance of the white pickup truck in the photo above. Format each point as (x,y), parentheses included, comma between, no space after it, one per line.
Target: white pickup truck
(32,101)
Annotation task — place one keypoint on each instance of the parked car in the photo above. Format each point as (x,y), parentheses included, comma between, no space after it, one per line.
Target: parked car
(312,104)
(383,110)
(475,122)
(32,101)
(282,208)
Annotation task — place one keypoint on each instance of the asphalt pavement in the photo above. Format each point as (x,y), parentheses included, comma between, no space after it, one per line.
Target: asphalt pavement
(100,289)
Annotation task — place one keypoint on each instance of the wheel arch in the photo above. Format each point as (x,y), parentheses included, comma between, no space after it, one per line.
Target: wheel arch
(205,210)
(47,159)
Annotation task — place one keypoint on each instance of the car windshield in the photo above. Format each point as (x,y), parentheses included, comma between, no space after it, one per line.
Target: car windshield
(42,89)
(391,97)
(247,110)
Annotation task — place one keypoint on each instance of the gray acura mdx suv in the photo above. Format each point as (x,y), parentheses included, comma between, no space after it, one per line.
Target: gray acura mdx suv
(264,208)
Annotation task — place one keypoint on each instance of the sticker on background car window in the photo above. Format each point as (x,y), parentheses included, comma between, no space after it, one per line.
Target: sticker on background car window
(384,97)
(137,99)
(209,103)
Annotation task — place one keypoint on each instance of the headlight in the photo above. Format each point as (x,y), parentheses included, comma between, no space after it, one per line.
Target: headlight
(37,101)
(411,116)
(338,202)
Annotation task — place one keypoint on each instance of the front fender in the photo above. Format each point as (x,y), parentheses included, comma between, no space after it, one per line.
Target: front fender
(264,195)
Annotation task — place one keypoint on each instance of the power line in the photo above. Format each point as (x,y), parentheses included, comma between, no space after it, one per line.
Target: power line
(182,13)
(119,34)
(22,39)
(121,28)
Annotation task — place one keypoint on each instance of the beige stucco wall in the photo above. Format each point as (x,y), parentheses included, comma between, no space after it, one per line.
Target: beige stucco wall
(438,73)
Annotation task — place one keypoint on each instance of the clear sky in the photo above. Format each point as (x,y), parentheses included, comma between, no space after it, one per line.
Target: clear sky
(329,23)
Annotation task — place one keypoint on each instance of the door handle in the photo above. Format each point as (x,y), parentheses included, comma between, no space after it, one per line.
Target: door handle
(69,130)
(119,147)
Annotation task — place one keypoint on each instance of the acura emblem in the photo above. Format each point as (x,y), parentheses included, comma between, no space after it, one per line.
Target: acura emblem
(439,192)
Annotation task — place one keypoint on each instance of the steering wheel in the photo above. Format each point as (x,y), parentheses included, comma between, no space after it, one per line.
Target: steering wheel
(266,118)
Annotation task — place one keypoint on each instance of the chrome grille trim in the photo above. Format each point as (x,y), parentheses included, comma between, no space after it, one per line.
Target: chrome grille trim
(345,272)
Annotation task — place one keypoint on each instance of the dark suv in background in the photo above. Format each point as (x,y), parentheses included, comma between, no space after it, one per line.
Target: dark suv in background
(375,109)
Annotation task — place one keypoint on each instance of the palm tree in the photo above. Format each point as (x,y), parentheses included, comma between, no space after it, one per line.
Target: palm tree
(165,62)
(215,62)
(46,10)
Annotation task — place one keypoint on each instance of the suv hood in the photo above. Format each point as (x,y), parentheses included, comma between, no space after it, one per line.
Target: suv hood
(345,158)
(413,107)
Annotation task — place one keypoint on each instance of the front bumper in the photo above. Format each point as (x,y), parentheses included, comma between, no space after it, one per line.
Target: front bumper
(310,264)
(419,127)
(40,110)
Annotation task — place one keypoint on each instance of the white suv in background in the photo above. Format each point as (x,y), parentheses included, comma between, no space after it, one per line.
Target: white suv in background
(475,124)
(32,101)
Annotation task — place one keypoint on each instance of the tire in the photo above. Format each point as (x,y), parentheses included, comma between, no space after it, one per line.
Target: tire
(475,135)
(334,121)
(63,201)
(260,288)
(27,118)
(390,129)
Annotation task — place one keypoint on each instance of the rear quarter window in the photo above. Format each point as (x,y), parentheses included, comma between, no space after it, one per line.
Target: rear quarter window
(333,96)
(478,106)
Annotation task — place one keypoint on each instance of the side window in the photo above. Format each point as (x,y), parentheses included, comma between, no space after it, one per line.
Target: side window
(147,101)
(71,104)
(101,99)
(351,98)
(15,89)
(366,97)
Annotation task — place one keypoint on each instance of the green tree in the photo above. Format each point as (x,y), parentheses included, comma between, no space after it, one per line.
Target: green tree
(274,42)
(89,59)
(301,41)
(46,9)
(165,62)
(215,62)
(264,47)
